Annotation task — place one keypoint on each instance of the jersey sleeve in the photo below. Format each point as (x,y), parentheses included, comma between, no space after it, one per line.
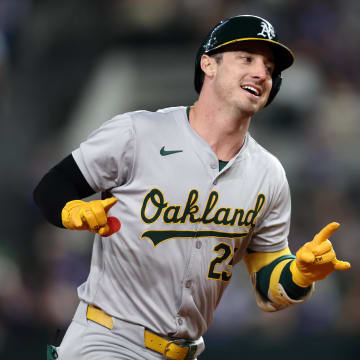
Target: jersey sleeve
(271,233)
(106,157)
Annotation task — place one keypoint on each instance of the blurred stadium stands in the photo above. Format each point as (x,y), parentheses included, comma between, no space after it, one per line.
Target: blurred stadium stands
(67,66)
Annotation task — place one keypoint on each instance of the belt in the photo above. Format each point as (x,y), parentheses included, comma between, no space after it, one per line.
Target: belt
(177,349)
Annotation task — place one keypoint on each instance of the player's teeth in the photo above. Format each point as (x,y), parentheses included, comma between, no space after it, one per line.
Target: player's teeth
(251,89)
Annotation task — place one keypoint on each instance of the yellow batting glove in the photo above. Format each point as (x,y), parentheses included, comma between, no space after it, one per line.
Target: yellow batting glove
(91,215)
(317,259)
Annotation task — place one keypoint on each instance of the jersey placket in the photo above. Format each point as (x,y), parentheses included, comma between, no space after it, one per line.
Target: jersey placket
(210,163)
(196,246)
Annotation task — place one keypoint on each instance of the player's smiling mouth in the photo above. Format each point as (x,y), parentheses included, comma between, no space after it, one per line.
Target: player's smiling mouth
(252,89)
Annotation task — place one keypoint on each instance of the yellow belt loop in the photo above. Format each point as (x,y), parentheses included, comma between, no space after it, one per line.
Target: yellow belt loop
(100,317)
(154,342)
(168,348)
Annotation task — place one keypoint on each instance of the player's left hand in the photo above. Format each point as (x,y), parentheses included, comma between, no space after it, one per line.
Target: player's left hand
(317,259)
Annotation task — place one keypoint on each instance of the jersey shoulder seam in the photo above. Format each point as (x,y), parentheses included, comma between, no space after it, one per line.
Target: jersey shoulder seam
(132,132)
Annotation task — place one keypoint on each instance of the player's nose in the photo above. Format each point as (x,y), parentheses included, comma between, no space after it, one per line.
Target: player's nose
(260,73)
(260,70)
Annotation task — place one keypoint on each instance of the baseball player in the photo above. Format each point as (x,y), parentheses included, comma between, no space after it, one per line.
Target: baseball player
(195,195)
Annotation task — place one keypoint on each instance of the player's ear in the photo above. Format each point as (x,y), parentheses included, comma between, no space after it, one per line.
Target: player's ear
(208,65)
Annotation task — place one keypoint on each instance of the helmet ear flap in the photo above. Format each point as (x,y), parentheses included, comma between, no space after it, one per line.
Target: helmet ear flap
(277,80)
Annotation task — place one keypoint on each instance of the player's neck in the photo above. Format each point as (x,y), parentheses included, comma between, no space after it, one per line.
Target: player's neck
(224,131)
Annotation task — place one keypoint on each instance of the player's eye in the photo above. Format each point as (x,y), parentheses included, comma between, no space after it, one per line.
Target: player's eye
(270,69)
(247,59)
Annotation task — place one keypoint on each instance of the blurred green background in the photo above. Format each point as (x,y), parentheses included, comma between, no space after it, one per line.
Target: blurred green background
(67,66)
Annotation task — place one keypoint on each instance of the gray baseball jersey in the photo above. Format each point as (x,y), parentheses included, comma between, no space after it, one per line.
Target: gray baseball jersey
(185,224)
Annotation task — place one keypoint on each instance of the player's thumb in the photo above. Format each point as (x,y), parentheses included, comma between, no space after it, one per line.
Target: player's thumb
(104,230)
(108,203)
(341,265)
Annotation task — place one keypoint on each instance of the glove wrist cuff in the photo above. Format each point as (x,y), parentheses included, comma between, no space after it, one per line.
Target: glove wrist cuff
(298,277)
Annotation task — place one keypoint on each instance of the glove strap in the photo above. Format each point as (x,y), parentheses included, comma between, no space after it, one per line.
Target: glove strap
(298,277)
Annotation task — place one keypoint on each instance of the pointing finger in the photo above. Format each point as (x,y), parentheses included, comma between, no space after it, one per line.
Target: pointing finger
(325,232)
(108,203)
(99,213)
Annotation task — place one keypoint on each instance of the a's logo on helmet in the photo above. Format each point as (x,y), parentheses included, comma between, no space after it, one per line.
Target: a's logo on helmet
(267,30)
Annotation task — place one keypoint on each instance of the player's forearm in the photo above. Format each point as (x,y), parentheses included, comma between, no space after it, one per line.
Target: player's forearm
(61,184)
(268,280)
(272,280)
(281,279)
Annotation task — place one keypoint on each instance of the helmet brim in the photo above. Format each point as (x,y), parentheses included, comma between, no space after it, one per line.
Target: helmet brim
(284,57)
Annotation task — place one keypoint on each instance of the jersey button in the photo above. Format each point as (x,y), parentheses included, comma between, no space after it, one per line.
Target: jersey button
(214,166)
(198,244)
(188,284)
(215,182)
(180,322)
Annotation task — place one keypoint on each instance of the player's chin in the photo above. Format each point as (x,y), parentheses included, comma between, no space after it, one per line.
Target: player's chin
(252,107)
(252,104)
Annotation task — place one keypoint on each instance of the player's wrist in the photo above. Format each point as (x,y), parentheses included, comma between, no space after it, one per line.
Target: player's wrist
(293,290)
(298,277)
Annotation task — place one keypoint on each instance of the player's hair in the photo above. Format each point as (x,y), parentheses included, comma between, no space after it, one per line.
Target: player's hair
(218,57)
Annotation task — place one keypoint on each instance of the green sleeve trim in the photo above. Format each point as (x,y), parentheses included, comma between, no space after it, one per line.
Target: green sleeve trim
(51,352)
(294,291)
(264,274)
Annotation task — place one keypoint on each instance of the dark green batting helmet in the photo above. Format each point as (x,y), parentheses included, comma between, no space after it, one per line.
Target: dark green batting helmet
(244,28)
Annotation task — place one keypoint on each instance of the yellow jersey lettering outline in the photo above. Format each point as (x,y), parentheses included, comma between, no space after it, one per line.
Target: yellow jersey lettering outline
(154,205)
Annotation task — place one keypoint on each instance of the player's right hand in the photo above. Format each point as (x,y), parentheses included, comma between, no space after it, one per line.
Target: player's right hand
(87,215)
